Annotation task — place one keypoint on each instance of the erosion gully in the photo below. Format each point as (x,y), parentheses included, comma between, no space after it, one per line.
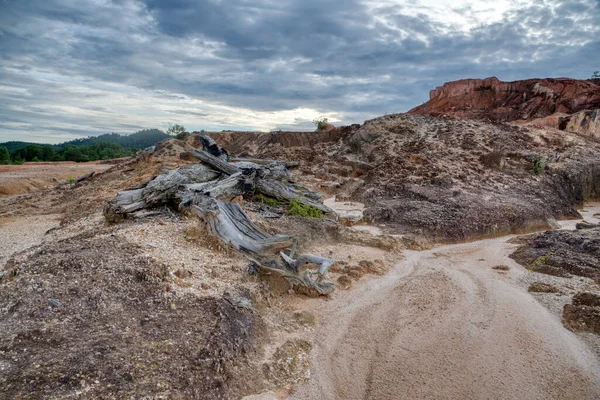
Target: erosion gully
(444,325)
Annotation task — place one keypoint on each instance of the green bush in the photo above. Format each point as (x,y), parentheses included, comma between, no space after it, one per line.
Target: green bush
(539,165)
(540,260)
(178,131)
(321,124)
(266,200)
(297,208)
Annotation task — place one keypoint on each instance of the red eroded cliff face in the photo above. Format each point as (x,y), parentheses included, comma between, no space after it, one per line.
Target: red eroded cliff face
(492,99)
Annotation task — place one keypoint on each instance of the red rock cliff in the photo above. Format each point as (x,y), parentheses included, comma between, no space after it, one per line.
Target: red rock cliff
(495,100)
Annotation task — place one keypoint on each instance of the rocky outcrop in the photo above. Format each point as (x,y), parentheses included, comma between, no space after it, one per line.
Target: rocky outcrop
(562,253)
(445,179)
(584,122)
(583,315)
(248,143)
(492,99)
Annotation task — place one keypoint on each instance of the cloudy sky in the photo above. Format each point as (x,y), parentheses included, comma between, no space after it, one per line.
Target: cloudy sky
(72,68)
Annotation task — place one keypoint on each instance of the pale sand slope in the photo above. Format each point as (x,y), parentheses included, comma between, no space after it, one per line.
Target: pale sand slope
(32,177)
(21,233)
(444,325)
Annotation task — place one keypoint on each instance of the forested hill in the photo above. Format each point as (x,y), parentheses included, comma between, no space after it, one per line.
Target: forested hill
(103,147)
(138,140)
(15,145)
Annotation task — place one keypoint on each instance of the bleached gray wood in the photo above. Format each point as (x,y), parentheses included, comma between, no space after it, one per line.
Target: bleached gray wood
(214,162)
(230,224)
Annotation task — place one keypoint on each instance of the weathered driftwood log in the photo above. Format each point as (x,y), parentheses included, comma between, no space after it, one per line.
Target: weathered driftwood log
(224,189)
(261,161)
(156,192)
(215,162)
(272,180)
(84,177)
(209,145)
(281,191)
(208,189)
(230,224)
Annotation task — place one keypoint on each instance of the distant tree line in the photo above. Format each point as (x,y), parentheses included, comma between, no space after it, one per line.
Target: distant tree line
(46,152)
(138,140)
(103,147)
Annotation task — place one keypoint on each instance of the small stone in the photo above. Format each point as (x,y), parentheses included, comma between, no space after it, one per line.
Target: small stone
(183,273)
(540,287)
(304,318)
(344,282)
(355,272)
(54,302)
(173,306)
(205,285)
(376,267)
(338,267)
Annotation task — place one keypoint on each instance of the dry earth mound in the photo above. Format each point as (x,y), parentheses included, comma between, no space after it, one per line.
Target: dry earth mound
(451,180)
(562,253)
(92,317)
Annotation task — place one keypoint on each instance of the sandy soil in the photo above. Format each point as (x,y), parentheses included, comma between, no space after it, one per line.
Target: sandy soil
(347,211)
(443,324)
(20,233)
(31,177)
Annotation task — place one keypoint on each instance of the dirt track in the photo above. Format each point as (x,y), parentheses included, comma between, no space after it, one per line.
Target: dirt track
(444,324)
(31,177)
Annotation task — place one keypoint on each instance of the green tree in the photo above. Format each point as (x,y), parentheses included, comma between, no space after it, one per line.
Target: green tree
(178,131)
(596,75)
(48,153)
(4,156)
(321,124)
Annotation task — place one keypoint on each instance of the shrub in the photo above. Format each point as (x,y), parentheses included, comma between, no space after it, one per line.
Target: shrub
(321,124)
(178,131)
(266,200)
(539,165)
(494,159)
(540,260)
(297,208)
(70,180)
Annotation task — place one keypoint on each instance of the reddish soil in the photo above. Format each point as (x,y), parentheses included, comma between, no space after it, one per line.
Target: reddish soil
(494,100)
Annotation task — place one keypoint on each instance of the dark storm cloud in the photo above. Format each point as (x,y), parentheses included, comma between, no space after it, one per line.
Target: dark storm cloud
(354,59)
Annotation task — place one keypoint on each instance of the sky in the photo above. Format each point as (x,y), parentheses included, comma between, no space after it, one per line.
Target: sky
(78,68)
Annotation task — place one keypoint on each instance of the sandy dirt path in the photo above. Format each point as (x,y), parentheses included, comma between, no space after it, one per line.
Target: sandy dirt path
(444,325)
(32,177)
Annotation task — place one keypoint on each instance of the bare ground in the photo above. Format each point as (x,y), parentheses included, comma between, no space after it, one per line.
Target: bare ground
(440,324)
(443,324)
(32,177)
